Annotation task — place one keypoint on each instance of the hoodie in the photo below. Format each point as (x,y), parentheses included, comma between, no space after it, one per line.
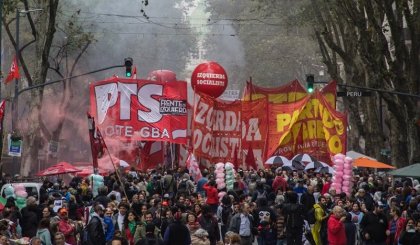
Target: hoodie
(45,236)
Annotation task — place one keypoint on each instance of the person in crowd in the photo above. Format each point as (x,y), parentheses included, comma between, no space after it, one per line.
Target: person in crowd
(109,226)
(140,232)
(356,213)
(43,232)
(224,214)
(351,230)
(209,223)
(177,232)
(320,217)
(130,226)
(66,226)
(212,195)
(374,225)
(279,182)
(95,229)
(192,223)
(242,224)
(118,218)
(307,199)
(150,238)
(201,182)
(200,237)
(59,239)
(29,218)
(411,233)
(295,215)
(336,229)
(395,226)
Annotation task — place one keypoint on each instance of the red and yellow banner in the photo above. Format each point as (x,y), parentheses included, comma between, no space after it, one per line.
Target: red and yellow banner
(308,126)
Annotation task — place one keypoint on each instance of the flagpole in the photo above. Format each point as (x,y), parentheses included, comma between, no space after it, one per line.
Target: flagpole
(116,172)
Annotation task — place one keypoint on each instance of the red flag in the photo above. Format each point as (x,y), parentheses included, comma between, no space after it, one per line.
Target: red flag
(14,71)
(250,159)
(134,76)
(97,143)
(2,108)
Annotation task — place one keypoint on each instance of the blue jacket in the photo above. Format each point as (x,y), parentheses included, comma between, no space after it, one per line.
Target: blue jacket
(109,230)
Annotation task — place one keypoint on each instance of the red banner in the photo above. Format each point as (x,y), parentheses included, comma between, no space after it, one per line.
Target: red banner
(140,109)
(255,129)
(287,93)
(216,128)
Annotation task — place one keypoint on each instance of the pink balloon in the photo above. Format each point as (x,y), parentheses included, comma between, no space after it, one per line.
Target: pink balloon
(348,166)
(339,156)
(221,194)
(338,167)
(220,175)
(348,159)
(21,193)
(218,181)
(346,177)
(346,183)
(338,162)
(338,174)
(348,171)
(221,186)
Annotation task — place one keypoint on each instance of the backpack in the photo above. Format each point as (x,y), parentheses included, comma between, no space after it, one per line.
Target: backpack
(226,213)
(261,195)
(208,225)
(182,187)
(310,217)
(166,185)
(295,219)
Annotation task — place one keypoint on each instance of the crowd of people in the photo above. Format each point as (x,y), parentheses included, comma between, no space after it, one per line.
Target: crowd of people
(268,207)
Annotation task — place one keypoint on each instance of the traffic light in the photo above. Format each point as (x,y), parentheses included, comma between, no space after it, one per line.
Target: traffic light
(128,62)
(310,82)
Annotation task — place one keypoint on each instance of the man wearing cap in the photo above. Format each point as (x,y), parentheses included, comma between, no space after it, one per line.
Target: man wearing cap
(374,225)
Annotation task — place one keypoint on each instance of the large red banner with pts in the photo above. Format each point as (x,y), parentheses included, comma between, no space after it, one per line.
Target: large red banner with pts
(140,109)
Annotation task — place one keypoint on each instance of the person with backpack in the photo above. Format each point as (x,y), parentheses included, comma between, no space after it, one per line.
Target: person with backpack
(260,191)
(93,234)
(294,219)
(317,216)
(209,223)
(150,238)
(185,186)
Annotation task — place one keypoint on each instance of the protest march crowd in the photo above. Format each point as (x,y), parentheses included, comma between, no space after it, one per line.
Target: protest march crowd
(165,206)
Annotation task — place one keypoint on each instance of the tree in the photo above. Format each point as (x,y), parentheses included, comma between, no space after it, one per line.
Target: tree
(370,38)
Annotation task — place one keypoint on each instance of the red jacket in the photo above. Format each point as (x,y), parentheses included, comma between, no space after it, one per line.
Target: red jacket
(279,182)
(326,188)
(68,230)
(212,194)
(336,231)
(401,222)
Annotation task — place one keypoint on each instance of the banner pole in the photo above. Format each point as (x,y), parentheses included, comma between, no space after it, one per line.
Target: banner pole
(116,172)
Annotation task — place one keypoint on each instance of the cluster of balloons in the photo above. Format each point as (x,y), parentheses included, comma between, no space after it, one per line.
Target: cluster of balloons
(18,192)
(97,182)
(343,178)
(220,175)
(229,176)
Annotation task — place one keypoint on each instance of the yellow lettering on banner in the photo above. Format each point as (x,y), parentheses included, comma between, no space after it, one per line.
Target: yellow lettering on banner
(283,120)
(339,126)
(327,120)
(335,145)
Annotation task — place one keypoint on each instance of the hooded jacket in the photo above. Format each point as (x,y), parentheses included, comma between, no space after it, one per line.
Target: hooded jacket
(336,231)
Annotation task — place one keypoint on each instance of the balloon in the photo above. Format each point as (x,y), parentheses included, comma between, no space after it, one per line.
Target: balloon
(220,164)
(338,179)
(345,189)
(346,183)
(348,159)
(347,166)
(221,186)
(218,181)
(209,78)
(338,162)
(219,170)
(338,174)
(338,167)
(339,156)
(229,182)
(346,177)
(229,164)
(221,194)
(348,171)
(21,193)
(220,175)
